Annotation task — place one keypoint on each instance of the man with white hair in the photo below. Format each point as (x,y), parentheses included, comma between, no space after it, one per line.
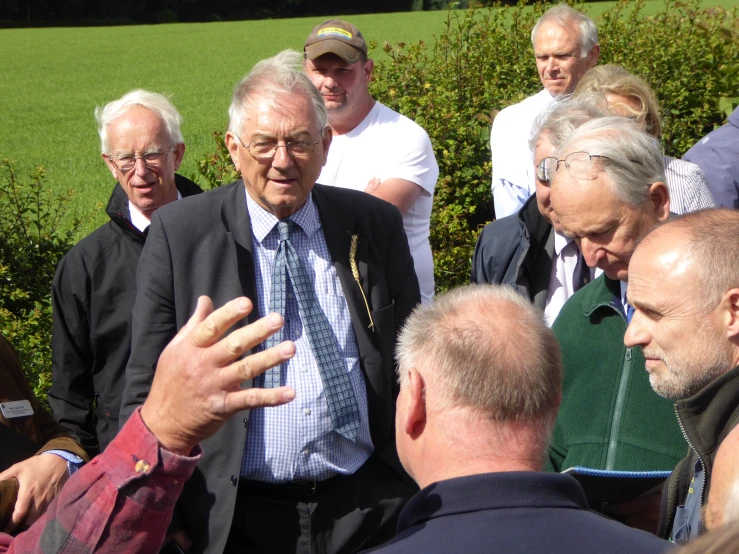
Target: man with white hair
(528,250)
(565,45)
(608,191)
(95,283)
(684,287)
(480,382)
(321,474)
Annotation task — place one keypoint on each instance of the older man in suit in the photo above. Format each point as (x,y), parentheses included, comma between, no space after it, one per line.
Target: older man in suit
(321,475)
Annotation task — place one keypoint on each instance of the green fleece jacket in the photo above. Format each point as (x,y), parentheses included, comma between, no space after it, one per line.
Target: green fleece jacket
(610,418)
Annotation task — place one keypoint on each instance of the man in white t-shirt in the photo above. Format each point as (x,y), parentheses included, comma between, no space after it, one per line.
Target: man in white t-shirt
(565,45)
(374,149)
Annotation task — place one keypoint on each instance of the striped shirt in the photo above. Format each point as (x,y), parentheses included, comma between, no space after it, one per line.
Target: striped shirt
(296,440)
(687,185)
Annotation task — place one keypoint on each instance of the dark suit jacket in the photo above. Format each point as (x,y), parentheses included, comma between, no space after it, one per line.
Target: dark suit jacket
(203,245)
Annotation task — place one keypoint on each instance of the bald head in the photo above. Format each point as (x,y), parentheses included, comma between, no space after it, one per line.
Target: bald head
(488,350)
(480,384)
(723,498)
(688,330)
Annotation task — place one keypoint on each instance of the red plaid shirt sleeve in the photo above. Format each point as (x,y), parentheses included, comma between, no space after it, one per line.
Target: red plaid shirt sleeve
(122,501)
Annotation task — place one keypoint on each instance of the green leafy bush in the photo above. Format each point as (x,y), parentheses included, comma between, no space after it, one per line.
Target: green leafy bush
(483,62)
(31,245)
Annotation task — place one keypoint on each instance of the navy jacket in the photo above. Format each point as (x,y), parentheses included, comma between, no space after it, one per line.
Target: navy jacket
(517,250)
(512,512)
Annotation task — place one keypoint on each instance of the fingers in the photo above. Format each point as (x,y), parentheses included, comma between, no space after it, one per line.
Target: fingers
(247,399)
(10,473)
(207,330)
(241,340)
(22,505)
(244,370)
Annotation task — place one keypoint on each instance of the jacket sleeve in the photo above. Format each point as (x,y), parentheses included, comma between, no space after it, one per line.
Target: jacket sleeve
(71,396)
(154,321)
(133,485)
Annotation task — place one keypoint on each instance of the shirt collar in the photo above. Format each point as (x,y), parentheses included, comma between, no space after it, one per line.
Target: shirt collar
(138,219)
(560,242)
(262,221)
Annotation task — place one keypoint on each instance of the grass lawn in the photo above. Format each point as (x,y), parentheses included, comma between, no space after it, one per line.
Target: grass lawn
(52,79)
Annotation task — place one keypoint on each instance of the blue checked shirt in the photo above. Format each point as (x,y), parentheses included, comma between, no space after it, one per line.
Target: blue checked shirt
(296,441)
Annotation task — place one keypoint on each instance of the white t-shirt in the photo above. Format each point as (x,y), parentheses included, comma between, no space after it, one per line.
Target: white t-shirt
(513,160)
(388,145)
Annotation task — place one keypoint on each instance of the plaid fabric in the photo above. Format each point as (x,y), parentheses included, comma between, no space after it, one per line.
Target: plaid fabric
(297,440)
(121,501)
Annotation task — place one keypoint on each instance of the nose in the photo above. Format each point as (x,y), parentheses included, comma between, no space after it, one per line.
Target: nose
(552,64)
(282,159)
(139,167)
(635,332)
(591,252)
(329,81)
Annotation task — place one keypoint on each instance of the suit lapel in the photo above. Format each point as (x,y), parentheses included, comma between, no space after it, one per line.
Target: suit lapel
(235,218)
(338,228)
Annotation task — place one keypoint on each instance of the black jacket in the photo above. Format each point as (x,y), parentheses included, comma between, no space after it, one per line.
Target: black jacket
(705,419)
(517,250)
(92,296)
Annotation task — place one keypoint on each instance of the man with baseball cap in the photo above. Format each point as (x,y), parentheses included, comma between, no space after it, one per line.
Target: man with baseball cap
(374,149)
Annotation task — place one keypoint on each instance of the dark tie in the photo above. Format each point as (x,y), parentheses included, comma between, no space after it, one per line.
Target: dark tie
(629,310)
(581,277)
(342,404)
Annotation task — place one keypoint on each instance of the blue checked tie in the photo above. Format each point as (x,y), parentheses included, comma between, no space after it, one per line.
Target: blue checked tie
(342,404)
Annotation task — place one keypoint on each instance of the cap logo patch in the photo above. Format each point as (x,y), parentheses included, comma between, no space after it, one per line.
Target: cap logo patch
(334,31)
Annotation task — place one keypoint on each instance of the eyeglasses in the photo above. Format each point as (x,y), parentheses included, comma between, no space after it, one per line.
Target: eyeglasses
(152,160)
(578,164)
(265,150)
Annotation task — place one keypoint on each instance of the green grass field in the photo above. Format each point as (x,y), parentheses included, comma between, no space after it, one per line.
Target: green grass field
(52,79)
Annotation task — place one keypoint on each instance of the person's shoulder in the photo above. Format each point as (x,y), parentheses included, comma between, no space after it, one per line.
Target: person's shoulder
(534,102)
(94,246)
(357,203)
(506,230)
(197,205)
(681,167)
(404,128)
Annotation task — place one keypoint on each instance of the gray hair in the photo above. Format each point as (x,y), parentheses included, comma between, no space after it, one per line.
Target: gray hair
(713,245)
(632,159)
(152,101)
(271,79)
(564,116)
(564,16)
(489,349)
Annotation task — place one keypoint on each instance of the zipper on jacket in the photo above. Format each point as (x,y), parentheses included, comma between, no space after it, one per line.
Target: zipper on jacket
(694,449)
(618,410)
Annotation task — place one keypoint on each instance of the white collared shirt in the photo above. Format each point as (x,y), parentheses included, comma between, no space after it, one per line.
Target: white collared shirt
(138,219)
(561,285)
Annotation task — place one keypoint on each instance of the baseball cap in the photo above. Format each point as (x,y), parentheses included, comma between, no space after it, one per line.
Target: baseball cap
(335,36)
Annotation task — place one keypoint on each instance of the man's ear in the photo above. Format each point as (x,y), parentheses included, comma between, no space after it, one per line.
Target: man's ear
(111,167)
(730,302)
(328,134)
(593,56)
(233,148)
(178,153)
(369,65)
(415,415)
(659,197)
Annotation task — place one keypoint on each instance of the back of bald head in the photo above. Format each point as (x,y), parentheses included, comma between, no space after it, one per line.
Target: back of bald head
(486,349)
(710,239)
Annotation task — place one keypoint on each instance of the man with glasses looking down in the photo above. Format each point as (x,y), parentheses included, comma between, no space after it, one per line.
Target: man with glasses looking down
(320,474)
(608,191)
(95,283)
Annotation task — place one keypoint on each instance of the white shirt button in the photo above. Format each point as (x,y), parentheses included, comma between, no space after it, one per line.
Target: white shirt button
(307,411)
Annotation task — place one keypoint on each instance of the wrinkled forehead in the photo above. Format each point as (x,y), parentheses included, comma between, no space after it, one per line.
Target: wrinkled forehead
(553,34)
(284,113)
